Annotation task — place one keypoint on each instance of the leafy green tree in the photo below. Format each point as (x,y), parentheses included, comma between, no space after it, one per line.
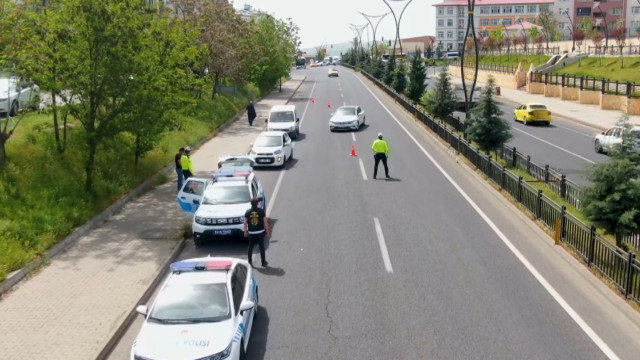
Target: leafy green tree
(389,72)
(549,24)
(438,51)
(400,79)
(440,102)
(429,51)
(417,78)
(274,45)
(378,69)
(486,126)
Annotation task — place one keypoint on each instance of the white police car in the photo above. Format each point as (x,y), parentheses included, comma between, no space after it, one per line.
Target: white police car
(204,311)
(218,205)
(236,160)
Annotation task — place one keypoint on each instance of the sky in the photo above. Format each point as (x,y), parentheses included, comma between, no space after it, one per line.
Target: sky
(328,21)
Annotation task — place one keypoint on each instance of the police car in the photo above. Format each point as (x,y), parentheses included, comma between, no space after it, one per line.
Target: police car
(204,311)
(218,205)
(235,160)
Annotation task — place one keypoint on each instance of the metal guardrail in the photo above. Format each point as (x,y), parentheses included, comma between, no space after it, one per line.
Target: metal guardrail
(618,265)
(613,50)
(489,67)
(605,86)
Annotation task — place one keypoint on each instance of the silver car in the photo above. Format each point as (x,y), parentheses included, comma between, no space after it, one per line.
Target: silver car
(347,118)
(16,95)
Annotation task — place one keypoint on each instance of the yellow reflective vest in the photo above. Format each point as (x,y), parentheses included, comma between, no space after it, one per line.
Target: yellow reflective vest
(380,146)
(186,163)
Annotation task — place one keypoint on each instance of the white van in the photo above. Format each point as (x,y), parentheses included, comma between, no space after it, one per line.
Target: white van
(284,118)
(451,55)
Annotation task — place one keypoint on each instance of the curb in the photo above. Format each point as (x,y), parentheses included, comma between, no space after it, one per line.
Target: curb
(16,276)
(163,270)
(126,323)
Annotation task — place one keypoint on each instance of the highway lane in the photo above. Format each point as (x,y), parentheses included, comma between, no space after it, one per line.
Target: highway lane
(439,283)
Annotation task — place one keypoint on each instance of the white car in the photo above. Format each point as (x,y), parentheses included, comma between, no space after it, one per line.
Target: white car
(16,95)
(204,310)
(284,118)
(347,118)
(218,206)
(272,148)
(607,140)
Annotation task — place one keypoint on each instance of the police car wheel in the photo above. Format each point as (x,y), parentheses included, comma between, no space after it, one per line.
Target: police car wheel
(291,157)
(197,240)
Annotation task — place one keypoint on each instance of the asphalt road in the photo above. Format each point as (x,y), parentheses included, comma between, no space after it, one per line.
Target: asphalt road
(433,264)
(566,146)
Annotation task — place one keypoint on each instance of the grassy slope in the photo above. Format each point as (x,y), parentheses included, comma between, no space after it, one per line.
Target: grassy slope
(42,198)
(609,69)
(514,59)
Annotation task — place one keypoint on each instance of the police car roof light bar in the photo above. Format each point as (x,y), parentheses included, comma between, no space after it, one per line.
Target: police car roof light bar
(188,265)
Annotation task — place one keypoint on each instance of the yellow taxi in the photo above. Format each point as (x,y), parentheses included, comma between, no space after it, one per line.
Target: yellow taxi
(332,73)
(315,64)
(531,113)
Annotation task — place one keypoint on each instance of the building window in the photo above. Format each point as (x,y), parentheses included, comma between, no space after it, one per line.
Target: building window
(507,9)
(562,25)
(449,11)
(519,20)
(460,11)
(460,35)
(560,11)
(484,22)
(485,10)
(440,11)
(440,22)
(495,22)
(544,7)
(600,14)
(485,34)
(461,24)
(449,22)
(532,9)
(440,34)
(449,34)
(635,27)
(519,9)
(507,22)
(584,11)
(584,0)
(635,9)
(495,9)
(532,20)
(616,11)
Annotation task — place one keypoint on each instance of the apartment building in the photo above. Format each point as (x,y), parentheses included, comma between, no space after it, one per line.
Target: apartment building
(489,15)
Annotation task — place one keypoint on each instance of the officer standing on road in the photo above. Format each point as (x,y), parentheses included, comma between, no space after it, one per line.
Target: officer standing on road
(256,226)
(251,113)
(187,165)
(177,159)
(381,152)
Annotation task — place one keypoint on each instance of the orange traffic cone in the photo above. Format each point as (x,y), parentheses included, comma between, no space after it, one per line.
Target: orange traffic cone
(313,101)
(353,151)
(329,105)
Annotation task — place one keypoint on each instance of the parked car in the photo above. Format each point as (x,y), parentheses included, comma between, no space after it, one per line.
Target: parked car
(284,118)
(16,95)
(332,72)
(347,118)
(532,112)
(608,140)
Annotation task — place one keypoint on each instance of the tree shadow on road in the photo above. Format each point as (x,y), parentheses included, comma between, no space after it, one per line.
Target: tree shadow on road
(257,347)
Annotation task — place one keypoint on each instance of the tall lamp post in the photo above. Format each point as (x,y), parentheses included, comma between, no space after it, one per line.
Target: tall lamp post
(397,20)
(596,5)
(357,29)
(471,32)
(573,46)
(374,46)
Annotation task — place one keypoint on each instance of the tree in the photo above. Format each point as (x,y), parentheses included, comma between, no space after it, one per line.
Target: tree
(417,78)
(549,24)
(429,51)
(619,33)
(578,37)
(400,79)
(498,39)
(390,71)
(596,39)
(486,127)
(378,69)
(321,52)
(275,48)
(440,102)
(438,51)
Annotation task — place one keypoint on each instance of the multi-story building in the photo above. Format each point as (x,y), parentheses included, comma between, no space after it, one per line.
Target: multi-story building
(489,15)
(633,17)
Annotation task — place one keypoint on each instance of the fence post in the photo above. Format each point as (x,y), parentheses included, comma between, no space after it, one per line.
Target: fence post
(546,76)
(528,164)
(562,80)
(592,245)
(563,187)
(616,87)
(563,221)
(627,288)
(546,174)
(502,177)
(628,89)
(514,156)
(539,205)
(581,83)
(603,85)
(520,189)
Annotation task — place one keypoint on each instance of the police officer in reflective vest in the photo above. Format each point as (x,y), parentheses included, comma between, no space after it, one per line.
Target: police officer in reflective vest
(381,152)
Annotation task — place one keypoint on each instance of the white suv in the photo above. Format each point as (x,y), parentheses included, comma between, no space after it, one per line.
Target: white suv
(284,118)
(218,206)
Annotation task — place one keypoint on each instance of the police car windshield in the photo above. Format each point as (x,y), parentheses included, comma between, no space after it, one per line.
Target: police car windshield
(192,303)
(227,195)
(281,116)
(268,141)
(346,111)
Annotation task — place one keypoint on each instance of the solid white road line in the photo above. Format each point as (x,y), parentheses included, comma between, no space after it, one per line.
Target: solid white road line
(572,313)
(293,145)
(556,146)
(383,246)
(364,173)
(353,136)
(591,136)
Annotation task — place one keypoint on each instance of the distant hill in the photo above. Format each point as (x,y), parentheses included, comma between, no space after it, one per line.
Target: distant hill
(335,51)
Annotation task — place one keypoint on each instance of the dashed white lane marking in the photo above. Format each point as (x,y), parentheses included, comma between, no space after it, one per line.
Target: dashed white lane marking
(281,176)
(547,286)
(353,136)
(556,146)
(362,170)
(383,246)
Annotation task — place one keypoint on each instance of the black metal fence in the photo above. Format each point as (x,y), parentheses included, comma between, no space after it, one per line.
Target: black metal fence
(618,265)
(489,66)
(532,49)
(613,50)
(603,85)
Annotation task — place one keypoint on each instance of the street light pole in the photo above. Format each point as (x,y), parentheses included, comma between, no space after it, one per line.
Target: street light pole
(471,31)
(357,29)
(397,20)
(573,46)
(374,47)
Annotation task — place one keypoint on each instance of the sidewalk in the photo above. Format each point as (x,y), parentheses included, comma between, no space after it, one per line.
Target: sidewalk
(71,308)
(590,115)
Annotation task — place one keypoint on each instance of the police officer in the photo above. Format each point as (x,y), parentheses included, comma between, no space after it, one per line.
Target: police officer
(381,152)
(187,165)
(256,226)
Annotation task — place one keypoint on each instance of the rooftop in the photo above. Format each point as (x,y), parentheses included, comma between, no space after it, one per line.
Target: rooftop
(494,2)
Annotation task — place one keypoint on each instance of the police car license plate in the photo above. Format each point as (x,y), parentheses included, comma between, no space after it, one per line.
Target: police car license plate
(222,232)
(264,160)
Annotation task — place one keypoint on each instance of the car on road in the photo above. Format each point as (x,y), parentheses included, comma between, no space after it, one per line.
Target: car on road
(272,148)
(332,73)
(606,141)
(532,113)
(284,118)
(204,310)
(315,64)
(235,160)
(218,205)
(16,95)
(347,118)
(301,64)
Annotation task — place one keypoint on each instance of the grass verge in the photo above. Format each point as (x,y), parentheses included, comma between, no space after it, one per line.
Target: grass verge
(606,67)
(513,59)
